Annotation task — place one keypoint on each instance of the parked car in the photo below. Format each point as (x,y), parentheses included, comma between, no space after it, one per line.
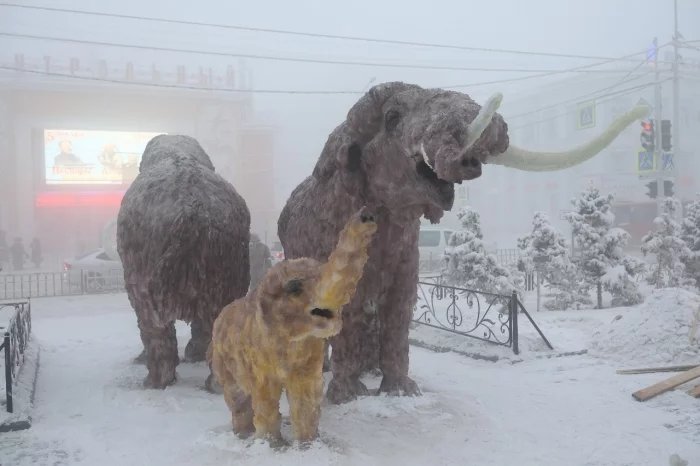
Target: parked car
(94,271)
(277,252)
(431,245)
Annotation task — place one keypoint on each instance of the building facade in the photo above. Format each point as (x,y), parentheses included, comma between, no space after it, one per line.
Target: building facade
(50,108)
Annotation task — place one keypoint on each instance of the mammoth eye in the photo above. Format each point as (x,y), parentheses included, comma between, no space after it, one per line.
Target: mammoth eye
(391,119)
(294,287)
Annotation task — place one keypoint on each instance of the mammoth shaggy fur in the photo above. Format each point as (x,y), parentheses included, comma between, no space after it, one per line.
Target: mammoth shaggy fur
(182,236)
(400,149)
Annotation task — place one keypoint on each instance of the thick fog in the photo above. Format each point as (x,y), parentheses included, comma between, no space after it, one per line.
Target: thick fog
(290,94)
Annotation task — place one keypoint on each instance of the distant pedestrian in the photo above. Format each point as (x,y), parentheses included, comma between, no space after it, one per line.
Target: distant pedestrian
(260,260)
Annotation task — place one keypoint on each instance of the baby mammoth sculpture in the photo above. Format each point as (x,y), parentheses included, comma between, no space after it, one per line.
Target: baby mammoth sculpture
(274,337)
(182,236)
(401,149)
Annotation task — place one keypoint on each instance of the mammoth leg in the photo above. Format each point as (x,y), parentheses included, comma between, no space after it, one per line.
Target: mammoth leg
(241,406)
(161,354)
(266,411)
(395,313)
(305,395)
(141,358)
(346,358)
(370,344)
(196,349)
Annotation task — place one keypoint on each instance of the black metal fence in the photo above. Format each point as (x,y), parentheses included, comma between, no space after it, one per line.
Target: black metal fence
(15,341)
(489,317)
(70,282)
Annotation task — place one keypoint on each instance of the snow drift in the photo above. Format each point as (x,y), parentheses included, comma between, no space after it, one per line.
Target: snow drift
(664,329)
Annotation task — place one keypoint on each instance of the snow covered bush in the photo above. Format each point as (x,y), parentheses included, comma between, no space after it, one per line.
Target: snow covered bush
(546,251)
(690,234)
(602,262)
(468,265)
(666,244)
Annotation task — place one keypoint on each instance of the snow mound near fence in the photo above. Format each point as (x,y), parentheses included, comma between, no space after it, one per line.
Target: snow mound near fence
(664,329)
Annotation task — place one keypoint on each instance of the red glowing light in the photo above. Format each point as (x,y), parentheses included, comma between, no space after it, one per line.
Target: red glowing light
(646,125)
(99,199)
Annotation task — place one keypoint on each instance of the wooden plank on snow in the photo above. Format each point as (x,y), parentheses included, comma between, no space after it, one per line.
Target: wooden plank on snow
(650,370)
(666,385)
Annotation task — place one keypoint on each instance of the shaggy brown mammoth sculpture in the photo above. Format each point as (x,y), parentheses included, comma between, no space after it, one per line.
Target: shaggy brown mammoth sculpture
(182,236)
(400,149)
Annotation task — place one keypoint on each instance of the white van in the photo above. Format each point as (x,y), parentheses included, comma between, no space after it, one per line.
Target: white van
(431,244)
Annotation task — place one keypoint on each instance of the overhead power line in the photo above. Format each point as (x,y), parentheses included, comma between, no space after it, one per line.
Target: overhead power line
(553,73)
(311,34)
(583,69)
(254,91)
(174,86)
(605,92)
(610,97)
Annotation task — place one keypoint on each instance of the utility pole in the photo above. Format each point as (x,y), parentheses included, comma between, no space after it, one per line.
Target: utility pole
(657,134)
(676,97)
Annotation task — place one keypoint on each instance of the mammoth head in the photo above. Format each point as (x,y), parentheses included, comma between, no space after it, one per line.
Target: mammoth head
(403,146)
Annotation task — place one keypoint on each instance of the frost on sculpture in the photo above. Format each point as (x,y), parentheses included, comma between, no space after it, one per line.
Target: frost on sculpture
(401,148)
(274,337)
(182,235)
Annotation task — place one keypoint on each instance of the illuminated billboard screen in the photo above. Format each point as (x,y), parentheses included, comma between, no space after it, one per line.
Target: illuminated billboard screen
(93,157)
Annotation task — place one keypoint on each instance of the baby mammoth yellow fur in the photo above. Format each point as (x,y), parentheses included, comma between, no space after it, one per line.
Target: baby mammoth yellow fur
(274,337)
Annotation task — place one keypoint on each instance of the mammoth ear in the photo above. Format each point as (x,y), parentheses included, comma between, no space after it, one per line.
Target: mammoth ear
(341,154)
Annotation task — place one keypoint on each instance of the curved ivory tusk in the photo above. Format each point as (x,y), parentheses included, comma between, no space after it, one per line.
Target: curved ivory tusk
(425,156)
(525,160)
(483,119)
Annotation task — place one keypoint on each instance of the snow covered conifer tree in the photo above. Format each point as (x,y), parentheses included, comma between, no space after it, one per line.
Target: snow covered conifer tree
(546,251)
(668,247)
(602,263)
(468,264)
(690,234)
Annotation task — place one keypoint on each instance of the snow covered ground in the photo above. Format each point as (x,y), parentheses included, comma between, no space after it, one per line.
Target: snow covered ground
(569,411)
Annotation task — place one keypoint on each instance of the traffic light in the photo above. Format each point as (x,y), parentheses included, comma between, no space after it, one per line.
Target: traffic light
(666,135)
(647,136)
(653,189)
(668,188)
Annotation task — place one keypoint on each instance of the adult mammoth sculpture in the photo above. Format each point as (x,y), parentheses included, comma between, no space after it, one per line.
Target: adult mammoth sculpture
(401,149)
(182,236)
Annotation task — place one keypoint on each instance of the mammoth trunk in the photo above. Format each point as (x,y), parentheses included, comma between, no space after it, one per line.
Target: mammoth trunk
(343,271)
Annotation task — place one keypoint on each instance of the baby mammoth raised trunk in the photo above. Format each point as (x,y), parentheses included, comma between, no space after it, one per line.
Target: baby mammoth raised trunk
(343,271)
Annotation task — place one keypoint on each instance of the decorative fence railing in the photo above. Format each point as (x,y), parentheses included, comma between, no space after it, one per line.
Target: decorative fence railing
(488,317)
(71,282)
(16,334)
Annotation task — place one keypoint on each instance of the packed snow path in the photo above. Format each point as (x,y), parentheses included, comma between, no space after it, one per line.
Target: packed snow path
(91,410)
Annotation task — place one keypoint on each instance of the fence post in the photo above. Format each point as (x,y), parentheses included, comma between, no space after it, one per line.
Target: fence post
(514,321)
(8,371)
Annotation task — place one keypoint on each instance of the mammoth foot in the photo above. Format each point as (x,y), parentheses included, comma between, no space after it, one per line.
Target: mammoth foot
(196,351)
(158,381)
(399,386)
(212,385)
(343,390)
(141,358)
